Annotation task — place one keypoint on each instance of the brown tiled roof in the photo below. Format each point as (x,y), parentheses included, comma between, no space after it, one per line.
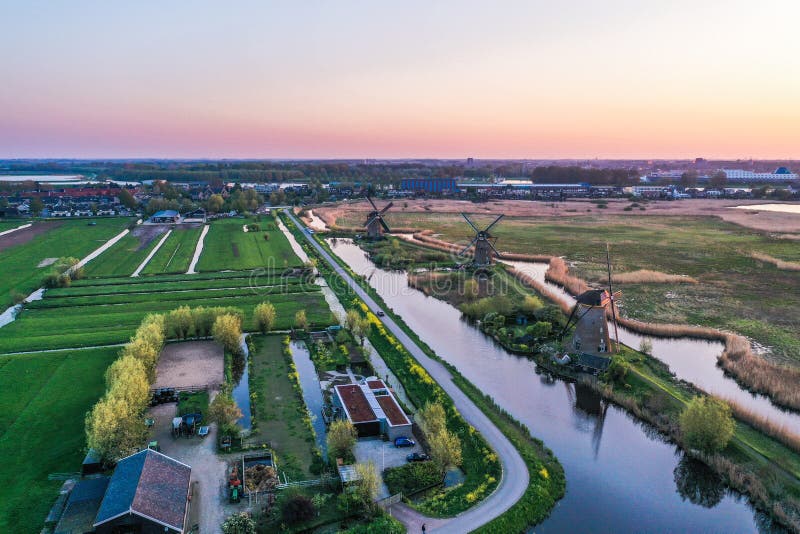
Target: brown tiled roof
(356,403)
(376,384)
(393,412)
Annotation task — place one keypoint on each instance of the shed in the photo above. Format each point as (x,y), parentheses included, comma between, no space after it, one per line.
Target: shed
(165,216)
(82,505)
(92,463)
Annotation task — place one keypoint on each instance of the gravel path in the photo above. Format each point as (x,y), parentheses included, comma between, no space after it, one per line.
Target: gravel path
(514,480)
(150,256)
(198,250)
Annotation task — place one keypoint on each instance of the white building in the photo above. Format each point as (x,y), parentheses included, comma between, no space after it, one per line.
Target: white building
(781,174)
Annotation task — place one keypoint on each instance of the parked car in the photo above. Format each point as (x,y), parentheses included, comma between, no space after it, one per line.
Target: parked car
(380,313)
(417,457)
(403,441)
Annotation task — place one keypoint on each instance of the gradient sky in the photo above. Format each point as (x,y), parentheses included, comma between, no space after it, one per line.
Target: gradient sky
(341,79)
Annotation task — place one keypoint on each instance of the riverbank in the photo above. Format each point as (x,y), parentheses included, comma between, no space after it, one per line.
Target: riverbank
(516,511)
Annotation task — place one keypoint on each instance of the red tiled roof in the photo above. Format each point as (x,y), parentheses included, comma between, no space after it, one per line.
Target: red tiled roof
(393,412)
(376,384)
(356,403)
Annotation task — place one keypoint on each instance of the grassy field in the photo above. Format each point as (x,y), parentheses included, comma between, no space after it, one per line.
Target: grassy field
(18,264)
(41,428)
(735,291)
(227,246)
(279,409)
(121,259)
(176,253)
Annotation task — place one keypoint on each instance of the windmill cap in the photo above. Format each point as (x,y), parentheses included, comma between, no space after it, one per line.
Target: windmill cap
(593,297)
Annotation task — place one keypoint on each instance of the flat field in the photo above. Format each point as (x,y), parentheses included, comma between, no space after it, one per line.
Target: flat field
(734,291)
(18,262)
(41,427)
(176,253)
(228,246)
(127,253)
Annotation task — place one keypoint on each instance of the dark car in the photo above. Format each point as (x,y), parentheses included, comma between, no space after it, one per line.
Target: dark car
(380,313)
(404,442)
(417,457)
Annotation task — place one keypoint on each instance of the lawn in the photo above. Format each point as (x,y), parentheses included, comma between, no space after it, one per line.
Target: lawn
(227,246)
(100,324)
(279,411)
(176,253)
(18,264)
(735,291)
(123,258)
(41,428)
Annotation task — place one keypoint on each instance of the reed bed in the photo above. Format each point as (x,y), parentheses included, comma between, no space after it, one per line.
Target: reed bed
(780,264)
(558,273)
(764,425)
(646,276)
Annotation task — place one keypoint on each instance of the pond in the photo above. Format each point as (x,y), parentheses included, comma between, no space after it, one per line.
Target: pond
(621,474)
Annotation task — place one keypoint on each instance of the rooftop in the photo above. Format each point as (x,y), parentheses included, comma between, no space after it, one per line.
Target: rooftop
(394,414)
(355,402)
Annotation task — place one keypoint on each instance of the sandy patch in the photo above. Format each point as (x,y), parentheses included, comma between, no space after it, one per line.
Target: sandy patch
(190,363)
(47,261)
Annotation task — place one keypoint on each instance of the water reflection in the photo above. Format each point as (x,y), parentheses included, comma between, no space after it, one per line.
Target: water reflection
(625,485)
(698,484)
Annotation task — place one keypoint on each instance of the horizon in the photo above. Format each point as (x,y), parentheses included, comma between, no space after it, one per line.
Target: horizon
(346,81)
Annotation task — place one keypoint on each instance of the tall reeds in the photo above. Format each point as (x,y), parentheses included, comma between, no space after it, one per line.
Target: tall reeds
(780,264)
(646,276)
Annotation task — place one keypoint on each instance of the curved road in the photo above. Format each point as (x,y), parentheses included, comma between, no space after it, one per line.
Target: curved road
(514,480)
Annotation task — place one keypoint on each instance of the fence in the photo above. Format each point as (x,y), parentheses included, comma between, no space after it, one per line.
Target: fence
(390,500)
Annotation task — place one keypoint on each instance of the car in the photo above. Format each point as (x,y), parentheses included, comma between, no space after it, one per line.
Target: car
(417,457)
(403,441)
(380,313)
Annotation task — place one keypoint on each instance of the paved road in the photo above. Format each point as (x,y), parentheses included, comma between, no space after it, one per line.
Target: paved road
(514,479)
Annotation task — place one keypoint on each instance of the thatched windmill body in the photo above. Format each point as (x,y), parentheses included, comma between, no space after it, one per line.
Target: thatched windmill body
(591,339)
(483,243)
(375,224)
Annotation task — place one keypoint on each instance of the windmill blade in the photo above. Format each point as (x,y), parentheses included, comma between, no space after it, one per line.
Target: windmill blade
(496,252)
(611,296)
(373,204)
(384,210)
(383,223)
(497,220)
(569,321)
(468,247)
(470,222)
(370,220)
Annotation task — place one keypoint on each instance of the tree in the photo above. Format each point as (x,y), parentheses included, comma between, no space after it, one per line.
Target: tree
(368,484)
(707,424)
(689,179)
(113,429)
(445,449)
(264,314)
(227,331)
(126,199)
(342,436)
(223,410)
(36,206)
(300,320)
(180,322)
(431,418)
(297,508)
(126,379)
(239,523)
(539,329)
(718,179)
(352,319)
(214,203)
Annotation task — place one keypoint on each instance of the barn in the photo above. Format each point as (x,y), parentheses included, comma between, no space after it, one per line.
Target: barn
(165,217)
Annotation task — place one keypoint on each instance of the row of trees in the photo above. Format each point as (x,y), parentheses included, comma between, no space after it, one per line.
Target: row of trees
(185,322)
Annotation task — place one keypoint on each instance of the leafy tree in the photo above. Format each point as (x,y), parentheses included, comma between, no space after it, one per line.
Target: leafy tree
(718,179)
(223,410)
(342,436)
(530,304)
(539,329)
(368,484)
(227,331)
(265,314)
(689,179)
(113,429)
(127,199)
(707,424)
(239,523)
(445,449)
(352,319)
(431,418)
(214,203)
(36,206)
(300,320)
(180,322)
(126,379)
(297,508)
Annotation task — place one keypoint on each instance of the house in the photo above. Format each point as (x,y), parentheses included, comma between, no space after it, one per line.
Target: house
(148,493)
(165,217)
(372,409)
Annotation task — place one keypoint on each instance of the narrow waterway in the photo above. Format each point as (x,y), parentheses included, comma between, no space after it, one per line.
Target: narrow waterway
(693,360)
(241,393)
(312,394)
(621,475)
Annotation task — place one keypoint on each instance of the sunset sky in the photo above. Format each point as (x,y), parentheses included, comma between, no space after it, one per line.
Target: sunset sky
(341,79)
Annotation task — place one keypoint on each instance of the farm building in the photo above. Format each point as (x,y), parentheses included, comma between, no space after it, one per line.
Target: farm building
(196,216)
(81,507)
(372,409)
(165,216)
(147,493)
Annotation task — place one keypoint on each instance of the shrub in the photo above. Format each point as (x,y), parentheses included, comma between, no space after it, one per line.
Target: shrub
(342,436)
(300,320)
(412,477)
(239,523)
(227,331)
(223,410)
(707,424)
(297,509)
(265,314)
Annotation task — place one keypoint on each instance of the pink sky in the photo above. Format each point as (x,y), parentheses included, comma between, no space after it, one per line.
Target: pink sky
(417,79)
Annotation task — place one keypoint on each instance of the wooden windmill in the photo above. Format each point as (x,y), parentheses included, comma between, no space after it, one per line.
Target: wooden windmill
(591,339)
(483,243)
(375,224)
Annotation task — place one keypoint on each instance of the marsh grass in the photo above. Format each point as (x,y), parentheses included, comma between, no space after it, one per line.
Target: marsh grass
(780,264)
(646,276)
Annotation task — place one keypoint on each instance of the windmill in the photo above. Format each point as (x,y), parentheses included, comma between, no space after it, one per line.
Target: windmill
(591,340)
(483,242)
(375,224)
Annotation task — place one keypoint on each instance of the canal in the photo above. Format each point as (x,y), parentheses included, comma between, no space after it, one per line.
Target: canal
(621,474)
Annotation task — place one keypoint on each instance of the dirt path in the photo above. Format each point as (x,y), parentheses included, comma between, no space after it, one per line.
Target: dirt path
(190,363)
(198,250)
(23,234)
(15,229)
(150,256)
